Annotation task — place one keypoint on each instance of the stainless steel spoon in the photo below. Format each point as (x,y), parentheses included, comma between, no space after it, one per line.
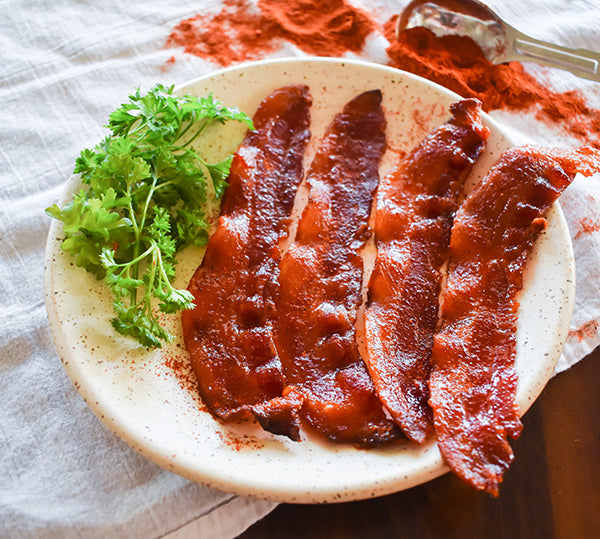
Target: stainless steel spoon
(499,41)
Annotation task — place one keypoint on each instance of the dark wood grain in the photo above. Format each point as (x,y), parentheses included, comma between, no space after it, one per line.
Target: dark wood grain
(552,489)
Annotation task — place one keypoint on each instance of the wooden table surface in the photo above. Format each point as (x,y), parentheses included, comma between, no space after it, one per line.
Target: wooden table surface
(552,489)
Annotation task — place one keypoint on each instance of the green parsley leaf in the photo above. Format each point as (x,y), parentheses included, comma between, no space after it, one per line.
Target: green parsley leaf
(146,198)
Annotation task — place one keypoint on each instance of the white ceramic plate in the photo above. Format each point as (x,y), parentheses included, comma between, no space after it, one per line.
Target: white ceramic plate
(156,409)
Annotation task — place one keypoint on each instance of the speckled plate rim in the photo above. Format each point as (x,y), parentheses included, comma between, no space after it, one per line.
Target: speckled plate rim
(134,393)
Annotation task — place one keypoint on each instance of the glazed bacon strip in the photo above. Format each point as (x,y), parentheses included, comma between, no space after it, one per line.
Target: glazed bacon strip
(229,332)
(321,278)
(473,381)
(416,203)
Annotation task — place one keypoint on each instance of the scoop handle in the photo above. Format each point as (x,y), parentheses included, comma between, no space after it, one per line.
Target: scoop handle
(580,62)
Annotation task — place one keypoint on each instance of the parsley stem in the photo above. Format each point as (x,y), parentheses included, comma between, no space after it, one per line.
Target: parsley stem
(185,130)
(148,199)
(151,276)
(137,259)
(195,135)
(140,125)
(136,244)
(138,239)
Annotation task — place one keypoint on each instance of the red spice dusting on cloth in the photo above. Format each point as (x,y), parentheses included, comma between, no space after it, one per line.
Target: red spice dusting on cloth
(235,34)
(324,28)
(588,329)
(587,226)
(240,32)
(458,63)
(243,31)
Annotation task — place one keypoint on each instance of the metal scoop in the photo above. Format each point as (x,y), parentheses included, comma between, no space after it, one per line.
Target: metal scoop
(499,41)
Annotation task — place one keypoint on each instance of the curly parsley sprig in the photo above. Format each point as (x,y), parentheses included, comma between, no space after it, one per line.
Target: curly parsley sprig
(145,198)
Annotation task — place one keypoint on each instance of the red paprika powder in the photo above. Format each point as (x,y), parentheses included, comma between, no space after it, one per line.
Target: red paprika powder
(242,31)
(458,63)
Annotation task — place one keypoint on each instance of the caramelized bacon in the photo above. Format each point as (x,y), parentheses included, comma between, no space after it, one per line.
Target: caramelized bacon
(321,277)
(473,380)
(416,203)
(229,333)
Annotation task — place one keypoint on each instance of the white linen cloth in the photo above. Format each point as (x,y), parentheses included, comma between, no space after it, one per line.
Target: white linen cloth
(65,65)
